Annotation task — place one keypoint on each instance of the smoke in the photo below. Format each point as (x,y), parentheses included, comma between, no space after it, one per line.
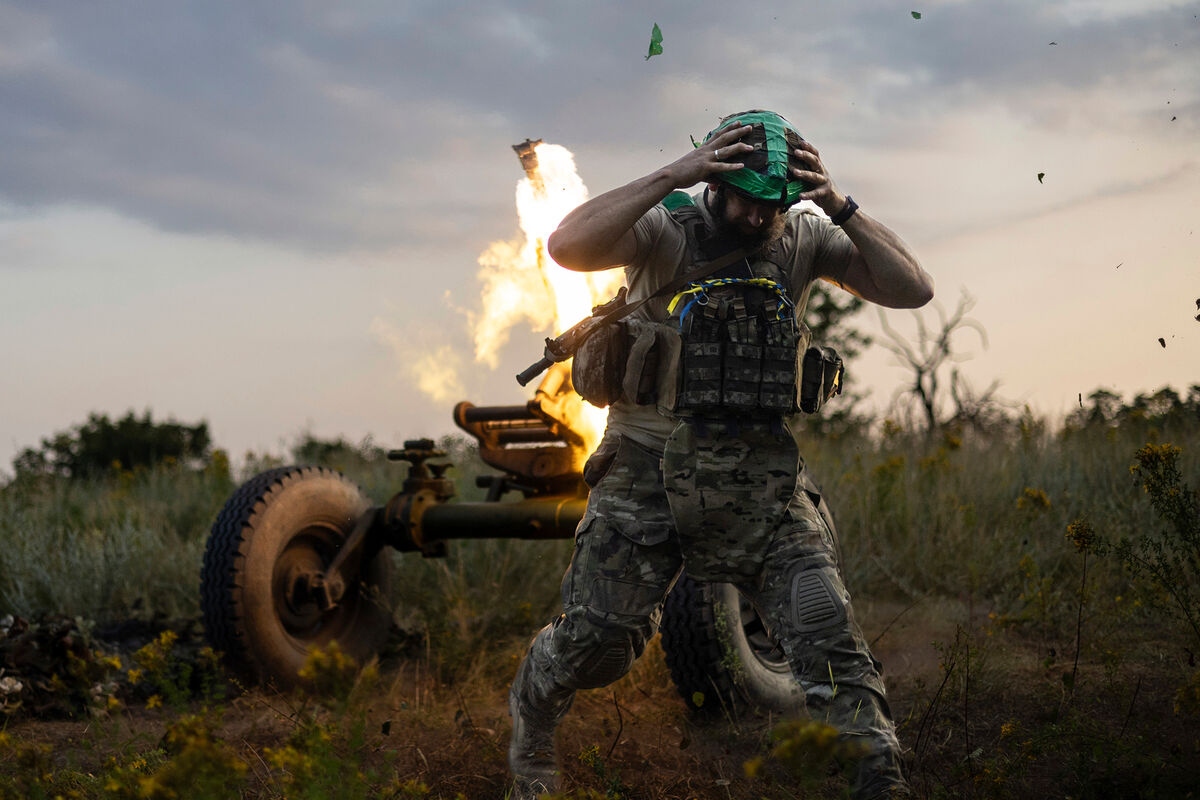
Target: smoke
(520,286)
(434,370)
(511,292)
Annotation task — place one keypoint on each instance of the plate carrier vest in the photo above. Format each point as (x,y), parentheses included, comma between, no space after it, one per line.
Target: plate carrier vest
(740,340)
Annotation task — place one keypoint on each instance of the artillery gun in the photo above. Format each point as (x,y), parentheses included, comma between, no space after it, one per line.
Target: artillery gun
(296,558)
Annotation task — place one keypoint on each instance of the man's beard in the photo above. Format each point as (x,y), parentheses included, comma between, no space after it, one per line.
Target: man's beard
(755,241)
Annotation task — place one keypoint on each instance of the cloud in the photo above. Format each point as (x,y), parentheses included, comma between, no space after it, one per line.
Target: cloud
(370,125)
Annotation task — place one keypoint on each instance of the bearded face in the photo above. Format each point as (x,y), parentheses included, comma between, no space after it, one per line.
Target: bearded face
(753,225)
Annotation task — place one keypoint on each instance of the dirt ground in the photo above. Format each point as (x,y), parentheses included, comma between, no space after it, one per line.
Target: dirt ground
(637,740)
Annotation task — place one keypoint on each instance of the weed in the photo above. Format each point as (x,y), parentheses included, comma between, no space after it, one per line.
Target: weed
(329,673)
(27,769)
(1187,697)
(197,764)
(1169,557)
(809,751)
(1033,499)
(610,779)
(164,675)
(1081,534)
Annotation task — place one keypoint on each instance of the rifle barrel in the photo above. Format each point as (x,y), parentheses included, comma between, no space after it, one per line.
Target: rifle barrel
(533,370)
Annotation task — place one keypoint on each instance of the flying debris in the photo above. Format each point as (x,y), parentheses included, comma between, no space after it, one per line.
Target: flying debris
(1040,176)
(1162,341)
(916,15)
(1053,43)
(1119,265)
(528,155)
(655,42)
(1081,399)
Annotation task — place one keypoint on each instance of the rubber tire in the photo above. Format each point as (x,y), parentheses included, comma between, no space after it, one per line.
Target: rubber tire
(287,516)
(721,657)
(719,654)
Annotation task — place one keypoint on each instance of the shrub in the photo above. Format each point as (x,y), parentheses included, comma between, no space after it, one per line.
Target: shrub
(1168,556)
(99,444)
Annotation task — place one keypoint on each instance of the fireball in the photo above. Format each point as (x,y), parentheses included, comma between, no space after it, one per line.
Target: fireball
(521,283)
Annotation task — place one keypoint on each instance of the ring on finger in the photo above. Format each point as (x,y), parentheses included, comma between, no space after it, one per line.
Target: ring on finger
(717,154)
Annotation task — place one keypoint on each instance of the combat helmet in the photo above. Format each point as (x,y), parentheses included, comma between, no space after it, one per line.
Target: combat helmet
(766,178)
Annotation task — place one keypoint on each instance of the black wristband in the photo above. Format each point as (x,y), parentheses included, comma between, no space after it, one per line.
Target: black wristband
(846,213)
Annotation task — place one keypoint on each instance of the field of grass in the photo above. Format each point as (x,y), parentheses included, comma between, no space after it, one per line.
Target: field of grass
(1029,653)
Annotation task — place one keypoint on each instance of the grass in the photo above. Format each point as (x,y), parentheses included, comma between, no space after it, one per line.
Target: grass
(126,544)
(985,516)
(1058,670)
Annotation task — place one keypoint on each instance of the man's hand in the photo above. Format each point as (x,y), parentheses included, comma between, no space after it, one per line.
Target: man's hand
(712,158)
(822,190)
(882,269)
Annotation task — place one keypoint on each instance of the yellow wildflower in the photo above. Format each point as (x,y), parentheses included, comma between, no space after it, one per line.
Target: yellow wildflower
(1033,499)
(1082,535)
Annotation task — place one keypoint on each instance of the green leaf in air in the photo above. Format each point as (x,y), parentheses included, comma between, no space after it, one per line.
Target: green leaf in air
(655,42)
(916,14)
(1040,176)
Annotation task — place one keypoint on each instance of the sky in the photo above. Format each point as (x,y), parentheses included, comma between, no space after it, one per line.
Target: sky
(262,215)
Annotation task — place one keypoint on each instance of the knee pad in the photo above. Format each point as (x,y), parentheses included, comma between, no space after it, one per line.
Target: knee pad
(815,604)
(608,662)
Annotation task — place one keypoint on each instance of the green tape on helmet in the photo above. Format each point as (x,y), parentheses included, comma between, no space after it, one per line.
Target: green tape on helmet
(766,176)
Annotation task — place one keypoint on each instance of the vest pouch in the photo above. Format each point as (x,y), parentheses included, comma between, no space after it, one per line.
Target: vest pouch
(741,361)
(651,345)
(670,358)
(821,379)
(598,369)
(784,341)
(700,359)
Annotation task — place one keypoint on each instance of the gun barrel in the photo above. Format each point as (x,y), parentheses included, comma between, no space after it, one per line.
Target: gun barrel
(526,434)
(553,517)
(497,413)
(533,370)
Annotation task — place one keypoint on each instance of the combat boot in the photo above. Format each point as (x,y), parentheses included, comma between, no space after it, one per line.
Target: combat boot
(531,753)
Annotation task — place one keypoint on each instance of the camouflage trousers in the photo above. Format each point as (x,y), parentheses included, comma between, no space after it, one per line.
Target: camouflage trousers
(628,556)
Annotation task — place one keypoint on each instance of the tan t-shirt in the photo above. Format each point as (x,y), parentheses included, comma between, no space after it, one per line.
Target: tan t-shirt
(811,247)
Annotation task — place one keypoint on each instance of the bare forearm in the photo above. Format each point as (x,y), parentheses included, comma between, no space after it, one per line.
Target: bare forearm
(885,271)
(599,234)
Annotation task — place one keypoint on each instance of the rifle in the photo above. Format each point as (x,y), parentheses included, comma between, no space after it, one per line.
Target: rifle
(567,343)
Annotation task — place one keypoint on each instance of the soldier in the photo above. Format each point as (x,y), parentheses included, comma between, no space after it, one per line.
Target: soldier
(702,471)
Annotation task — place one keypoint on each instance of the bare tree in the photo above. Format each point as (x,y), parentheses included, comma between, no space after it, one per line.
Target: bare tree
(927,357)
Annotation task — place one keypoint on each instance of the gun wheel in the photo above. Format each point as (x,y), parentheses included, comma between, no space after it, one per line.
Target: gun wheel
(719,653)
(278,531)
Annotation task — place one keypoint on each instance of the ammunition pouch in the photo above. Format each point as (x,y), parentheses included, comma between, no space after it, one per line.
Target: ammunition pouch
(633,359)
(821,378)
(738,354)
(712,368)
(598,369)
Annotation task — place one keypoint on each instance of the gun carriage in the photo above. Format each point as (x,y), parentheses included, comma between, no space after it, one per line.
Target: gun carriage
(296,557)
